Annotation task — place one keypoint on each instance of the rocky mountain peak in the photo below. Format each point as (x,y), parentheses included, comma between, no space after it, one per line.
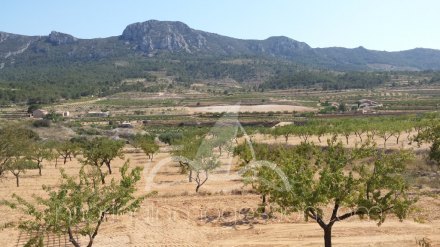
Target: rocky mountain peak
(57,38)
(153,36)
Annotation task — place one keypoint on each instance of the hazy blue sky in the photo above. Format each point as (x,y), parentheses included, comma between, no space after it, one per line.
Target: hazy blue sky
(375,24)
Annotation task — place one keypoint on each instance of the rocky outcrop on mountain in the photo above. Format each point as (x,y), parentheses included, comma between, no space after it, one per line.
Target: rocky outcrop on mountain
(57,38)
(152,36)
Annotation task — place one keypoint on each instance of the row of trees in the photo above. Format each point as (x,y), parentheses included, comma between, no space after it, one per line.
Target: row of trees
(197,151)
(21,150)
(363,129)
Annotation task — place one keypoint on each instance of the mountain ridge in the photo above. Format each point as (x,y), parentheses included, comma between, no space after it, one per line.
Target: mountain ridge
(155,38)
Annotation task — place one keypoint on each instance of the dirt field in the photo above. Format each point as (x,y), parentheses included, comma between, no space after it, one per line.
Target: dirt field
(249,108)
(219,216)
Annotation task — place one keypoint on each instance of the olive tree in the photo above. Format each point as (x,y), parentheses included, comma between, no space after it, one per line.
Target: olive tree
(79,204)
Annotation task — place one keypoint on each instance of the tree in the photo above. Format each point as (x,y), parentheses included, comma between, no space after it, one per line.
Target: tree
(431,134)
(147,144)
(345,129)
(15,147)
(150,149)
(41,151)
(260,169)
(202,165)
(8,148)
(285,131)
(170,137)
(67,149)
(386,133)
(53,116)
(221,138)
(366,181)
(81,205)
(110,149)
(18,166)
(101,151)
(32,108)
(196,157)
(187,152)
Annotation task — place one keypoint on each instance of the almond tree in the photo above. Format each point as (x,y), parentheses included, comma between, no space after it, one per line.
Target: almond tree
(18,166)
(364,180)
(150,149)
(67,150)
(15,143)
(431,134)
(196,157)
(41,151)
(101,151)
(147,144)
(110,150)
(80,206)
(15,147)
(185,153)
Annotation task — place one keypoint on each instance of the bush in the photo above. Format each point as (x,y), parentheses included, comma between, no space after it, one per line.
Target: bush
(41,123)
(170,137)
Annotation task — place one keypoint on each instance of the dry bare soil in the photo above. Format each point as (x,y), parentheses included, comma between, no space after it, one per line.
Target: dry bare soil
(219,216)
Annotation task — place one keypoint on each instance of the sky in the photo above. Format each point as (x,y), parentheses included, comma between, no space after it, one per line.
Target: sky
(390,25)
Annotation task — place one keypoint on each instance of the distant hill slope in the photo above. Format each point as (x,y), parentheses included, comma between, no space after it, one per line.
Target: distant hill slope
(60,66)
(163,38)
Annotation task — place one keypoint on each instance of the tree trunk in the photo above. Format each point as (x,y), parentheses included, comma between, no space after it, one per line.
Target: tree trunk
(263,204)
(109,167)
(190,176)
(90,243)
(198,187)
(72,238)
(39,170)
(17,180)
(65,159)
(328,236)
(102,176)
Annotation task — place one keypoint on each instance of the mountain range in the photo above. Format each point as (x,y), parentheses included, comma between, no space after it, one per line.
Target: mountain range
(166,39)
